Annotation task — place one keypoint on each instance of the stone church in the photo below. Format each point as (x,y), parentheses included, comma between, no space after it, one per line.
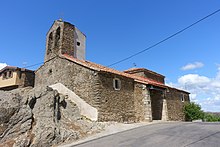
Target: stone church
(101,93)
(134,95)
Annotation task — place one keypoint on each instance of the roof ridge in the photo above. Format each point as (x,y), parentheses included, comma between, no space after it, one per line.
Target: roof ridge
(14,68)
(142,69)
(102,68)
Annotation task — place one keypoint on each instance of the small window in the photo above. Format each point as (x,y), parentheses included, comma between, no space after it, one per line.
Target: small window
(10,74)
(50,71)
(19,74)
(4,75)
(182,98)
(116,84)
(78,43)
(7,75)
(50,43)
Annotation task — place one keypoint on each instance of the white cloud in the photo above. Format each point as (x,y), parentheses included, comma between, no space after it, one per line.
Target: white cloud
(204,90)
(191,66)
(193,79)
(2,65)
(193,96)
(218,73)
(211,104)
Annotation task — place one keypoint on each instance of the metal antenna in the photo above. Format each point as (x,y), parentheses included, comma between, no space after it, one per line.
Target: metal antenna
(134,64)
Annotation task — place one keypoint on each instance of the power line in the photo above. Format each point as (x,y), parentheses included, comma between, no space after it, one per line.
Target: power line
(33,65)
(167,38)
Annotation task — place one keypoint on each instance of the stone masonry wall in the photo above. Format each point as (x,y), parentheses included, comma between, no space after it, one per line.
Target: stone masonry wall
(149,75)
(139,102)
(154,77)
(68,46)
(25,78)
(142,103)
(175,104)
(53,40)
(116,105)
(79,79)
(28,79)
(96,88)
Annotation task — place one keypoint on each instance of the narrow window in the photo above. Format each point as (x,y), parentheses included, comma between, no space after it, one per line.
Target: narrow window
(10,75)
(57,37)
(182,98)
(50,43)
(4,75)
(116,84)
(50,72)
(19,74)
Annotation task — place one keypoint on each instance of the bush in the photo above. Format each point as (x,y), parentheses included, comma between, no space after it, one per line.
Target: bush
(193,111)
(211,118)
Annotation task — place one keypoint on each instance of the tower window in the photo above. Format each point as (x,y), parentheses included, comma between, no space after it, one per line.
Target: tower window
(57,37)
(50,43)
(116,84)
(78,43)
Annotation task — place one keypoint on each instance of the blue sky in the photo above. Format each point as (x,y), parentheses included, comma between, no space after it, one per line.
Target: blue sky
(116,29)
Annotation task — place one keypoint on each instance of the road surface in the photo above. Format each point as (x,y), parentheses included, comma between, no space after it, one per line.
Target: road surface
(165,134)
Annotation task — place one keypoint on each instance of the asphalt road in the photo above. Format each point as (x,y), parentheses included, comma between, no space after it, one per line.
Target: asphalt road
(169,134)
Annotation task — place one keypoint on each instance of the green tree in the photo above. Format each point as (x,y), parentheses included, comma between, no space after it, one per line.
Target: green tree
(193,111)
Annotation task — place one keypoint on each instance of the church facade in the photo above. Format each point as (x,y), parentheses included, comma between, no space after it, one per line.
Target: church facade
(133,95)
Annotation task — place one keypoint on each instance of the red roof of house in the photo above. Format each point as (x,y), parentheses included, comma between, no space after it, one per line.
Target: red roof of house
(102,68)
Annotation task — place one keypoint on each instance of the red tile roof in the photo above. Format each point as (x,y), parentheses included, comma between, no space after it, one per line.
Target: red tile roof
(135,70)
(102,68)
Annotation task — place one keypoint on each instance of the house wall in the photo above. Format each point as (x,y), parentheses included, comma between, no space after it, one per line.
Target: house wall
(116,105)
(19,79)
(10,81)
(175,104)
(27,79)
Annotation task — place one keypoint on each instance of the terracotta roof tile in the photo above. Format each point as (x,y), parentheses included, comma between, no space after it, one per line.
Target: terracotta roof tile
(102,68)
(135,70)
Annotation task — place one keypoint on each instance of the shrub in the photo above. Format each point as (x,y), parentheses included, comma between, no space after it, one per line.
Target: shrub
(193,111)
(211,118)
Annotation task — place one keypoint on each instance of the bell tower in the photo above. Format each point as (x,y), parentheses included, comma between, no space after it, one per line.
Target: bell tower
(65,38)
